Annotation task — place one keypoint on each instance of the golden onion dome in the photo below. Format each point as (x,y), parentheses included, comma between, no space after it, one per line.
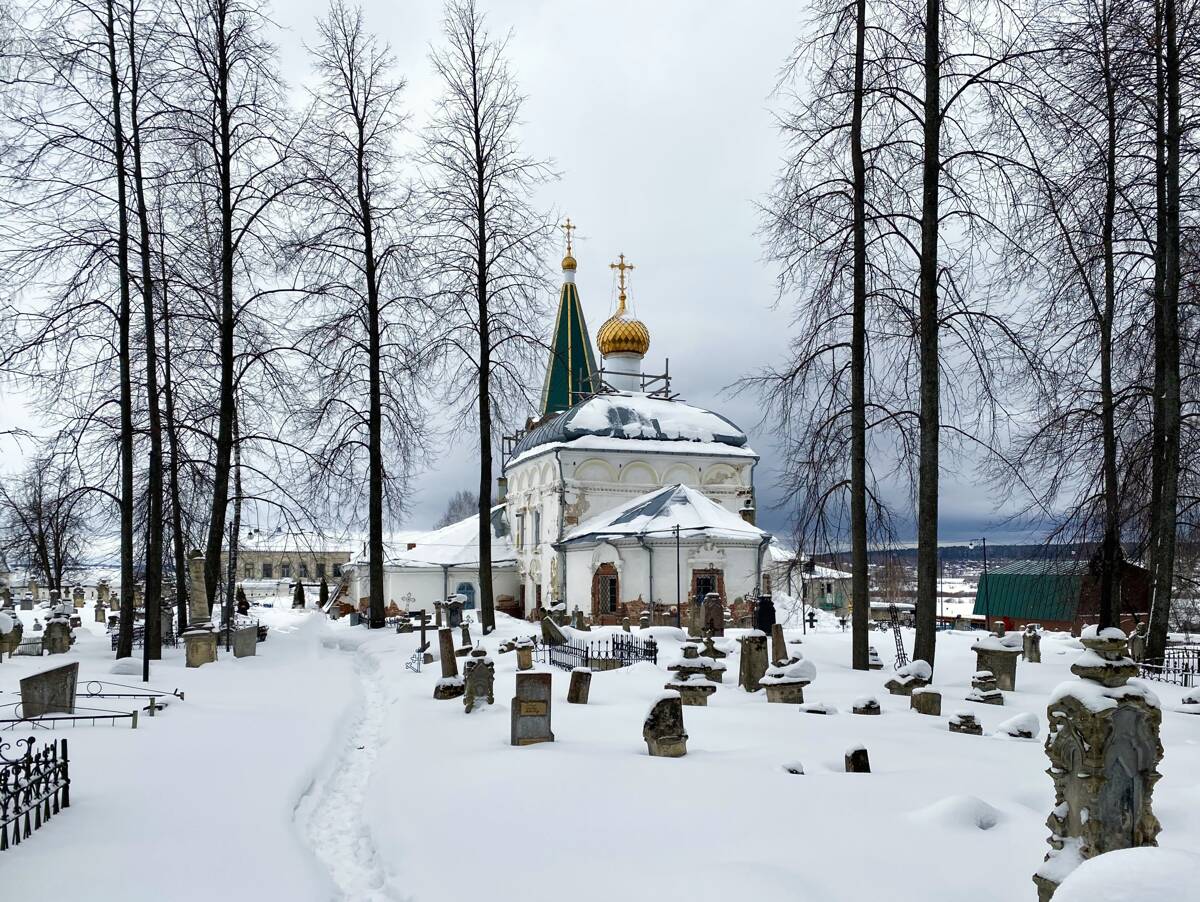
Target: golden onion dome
(622,334)
(569,264)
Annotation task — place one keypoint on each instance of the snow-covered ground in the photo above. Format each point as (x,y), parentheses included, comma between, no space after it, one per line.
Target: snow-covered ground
(323,768)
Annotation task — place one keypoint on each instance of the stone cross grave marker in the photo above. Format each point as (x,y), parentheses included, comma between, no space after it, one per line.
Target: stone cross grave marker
(531,710)
(50,692)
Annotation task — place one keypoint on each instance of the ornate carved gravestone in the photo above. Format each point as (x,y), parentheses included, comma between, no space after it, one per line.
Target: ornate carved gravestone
(1031,641)
(479,679)
(1104,750)
(581,686)
(1137,642)
(451,684)
(753,660)
(999,654)
(531,710)
(663,728)
(50,692)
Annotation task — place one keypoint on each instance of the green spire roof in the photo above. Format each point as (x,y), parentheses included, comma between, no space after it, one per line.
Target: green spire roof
(571,372)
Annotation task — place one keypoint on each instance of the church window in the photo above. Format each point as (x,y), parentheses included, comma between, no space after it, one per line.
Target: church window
(467,590)
(606,590)
(520,530)
(267,570)
(303,570)
(285,570)
(537,527)
(337,569)
(321,570)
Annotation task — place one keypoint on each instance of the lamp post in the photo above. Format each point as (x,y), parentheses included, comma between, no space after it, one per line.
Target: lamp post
(987,610)
(678,580)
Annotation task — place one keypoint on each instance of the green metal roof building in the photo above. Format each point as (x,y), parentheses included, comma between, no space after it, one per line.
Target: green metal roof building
(1060,594)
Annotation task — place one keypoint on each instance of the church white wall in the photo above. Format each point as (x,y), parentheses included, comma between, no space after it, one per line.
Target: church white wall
(633,563)
(429,585)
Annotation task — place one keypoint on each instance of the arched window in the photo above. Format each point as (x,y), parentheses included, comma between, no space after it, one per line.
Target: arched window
(467,590)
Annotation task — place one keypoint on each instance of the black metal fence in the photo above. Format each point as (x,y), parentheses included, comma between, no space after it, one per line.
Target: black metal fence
(139,637)
(1180,666)
(618,650)
(34,786)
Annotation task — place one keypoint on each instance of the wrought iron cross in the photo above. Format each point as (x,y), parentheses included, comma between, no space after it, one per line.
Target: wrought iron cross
(568,228)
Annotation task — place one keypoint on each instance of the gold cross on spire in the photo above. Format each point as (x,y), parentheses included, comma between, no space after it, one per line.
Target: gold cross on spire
(568,228)
(621,267)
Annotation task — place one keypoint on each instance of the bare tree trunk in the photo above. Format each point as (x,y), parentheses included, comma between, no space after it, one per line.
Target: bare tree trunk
(929,326)
(859,598)
(235,531)
(125,634)
(1171,410)
(154,493)
(179,550)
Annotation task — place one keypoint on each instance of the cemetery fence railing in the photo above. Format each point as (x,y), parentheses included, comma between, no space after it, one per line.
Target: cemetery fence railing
(35,785)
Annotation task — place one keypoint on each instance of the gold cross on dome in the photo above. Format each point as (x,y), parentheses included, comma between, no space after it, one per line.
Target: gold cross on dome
(621,267)
(568,228)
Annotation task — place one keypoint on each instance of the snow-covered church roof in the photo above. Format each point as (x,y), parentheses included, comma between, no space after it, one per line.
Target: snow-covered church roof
(632,415)
(457,545)
(659,512)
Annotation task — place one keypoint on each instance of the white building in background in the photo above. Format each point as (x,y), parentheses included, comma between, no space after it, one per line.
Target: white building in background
(617,497)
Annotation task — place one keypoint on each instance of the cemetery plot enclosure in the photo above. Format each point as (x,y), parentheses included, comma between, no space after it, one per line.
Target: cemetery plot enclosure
(598,654)
(1179,666)
(34,786)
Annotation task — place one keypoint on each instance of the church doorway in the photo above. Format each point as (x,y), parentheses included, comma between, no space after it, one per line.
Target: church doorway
(468,591)
(709,580)
(606,590)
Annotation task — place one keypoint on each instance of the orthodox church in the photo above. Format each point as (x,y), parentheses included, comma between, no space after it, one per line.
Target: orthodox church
(618,496)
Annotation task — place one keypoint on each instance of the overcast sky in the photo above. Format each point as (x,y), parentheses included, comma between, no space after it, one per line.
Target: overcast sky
(658,116)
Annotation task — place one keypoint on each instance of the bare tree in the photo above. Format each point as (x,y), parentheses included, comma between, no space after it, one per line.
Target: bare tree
(354,250)
(461,505)
(44,515)
(485,242)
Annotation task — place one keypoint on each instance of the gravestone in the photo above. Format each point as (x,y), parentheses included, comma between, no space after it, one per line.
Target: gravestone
(524,647)
(625,625)
(451,684)
(999,655)
(663,727)
(5,596)
(1137,642)
(531,710)
(753,664)
(581,686)
(695,611)
(1031,643)
(1023,726)
(694,664)
(644,620)
(578,621)
(714,615)
(199,639)
(926,701)
(245,642)
(34,591)
(27,602)
(983,689)
(57,638)
(77,596)
(1104,751)
(479,679)
(965,722)
(785,682)
(764,614)
(437,607)
(465,648)
(50,692)
(166,619)
(454,610)
(779,652)
(100,613)
(693,688)
(551,633)
(857,760)
(865,705)
(102,592)
(709,649)
(873,660)
(913,675)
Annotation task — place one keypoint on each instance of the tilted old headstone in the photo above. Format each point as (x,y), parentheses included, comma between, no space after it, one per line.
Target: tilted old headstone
(779,650)
(531,710)
(199,639)
(1104,751)
(663,727)
(50,692)
(857,760)
(753,660)
(451,684)
(580,687)
(245,641)
(552,634)
(714,615)
(479,679)
(1031,644)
